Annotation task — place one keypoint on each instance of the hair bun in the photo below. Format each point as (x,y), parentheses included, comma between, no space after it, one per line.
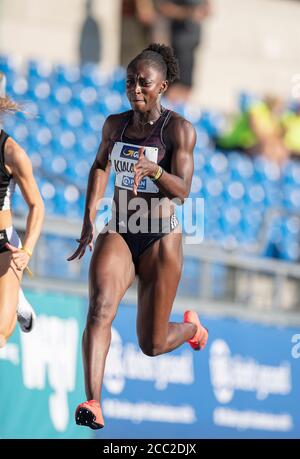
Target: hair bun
(167,53)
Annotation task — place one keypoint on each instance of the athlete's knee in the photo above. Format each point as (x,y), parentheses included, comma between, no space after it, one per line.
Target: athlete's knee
(102,309)
(151,348)
(2,341)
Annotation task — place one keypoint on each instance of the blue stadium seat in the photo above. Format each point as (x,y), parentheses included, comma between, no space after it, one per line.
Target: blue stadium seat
(61,129)
(118,80)
(67,74)
(4,64)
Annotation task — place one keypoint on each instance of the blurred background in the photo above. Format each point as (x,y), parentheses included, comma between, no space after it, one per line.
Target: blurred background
(65,62)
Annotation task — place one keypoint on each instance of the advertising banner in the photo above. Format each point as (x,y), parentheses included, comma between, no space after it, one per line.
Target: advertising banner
(41,375)
(245,384)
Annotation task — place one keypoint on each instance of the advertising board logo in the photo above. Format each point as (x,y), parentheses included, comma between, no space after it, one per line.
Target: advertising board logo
(44,363)
(128,182)
(230,373)
(125,361)
(130,152)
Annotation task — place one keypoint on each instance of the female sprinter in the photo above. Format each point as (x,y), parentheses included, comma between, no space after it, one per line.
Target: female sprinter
(150,149)
(15,167)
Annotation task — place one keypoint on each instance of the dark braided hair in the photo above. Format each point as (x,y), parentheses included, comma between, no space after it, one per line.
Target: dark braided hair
(162,57)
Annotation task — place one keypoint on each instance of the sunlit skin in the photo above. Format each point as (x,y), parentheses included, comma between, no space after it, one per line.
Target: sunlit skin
(112,270)
(14,261)
(144,87)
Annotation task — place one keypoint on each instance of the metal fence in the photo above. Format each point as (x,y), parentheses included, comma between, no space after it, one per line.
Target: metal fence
(214,280)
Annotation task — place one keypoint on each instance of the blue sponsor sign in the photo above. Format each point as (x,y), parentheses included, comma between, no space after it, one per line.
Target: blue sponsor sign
(41,372)
(245,384)
(129,181)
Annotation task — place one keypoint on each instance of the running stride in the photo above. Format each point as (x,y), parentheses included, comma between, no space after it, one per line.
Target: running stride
(150,149)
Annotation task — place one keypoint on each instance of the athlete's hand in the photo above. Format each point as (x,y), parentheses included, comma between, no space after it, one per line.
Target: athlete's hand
(20,258)
(143,168)
(86,239)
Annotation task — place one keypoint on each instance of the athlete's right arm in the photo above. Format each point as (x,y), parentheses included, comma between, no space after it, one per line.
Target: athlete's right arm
(97,182)
(99,174)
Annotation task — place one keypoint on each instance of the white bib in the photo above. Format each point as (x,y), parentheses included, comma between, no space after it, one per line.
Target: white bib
(123,158)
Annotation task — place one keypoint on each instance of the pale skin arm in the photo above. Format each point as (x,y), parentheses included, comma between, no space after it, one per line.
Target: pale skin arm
(176,184)
(145,11)
(173,11)
(19,165)
(97,183)
(181,13)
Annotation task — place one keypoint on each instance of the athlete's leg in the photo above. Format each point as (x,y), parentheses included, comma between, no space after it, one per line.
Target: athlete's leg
(10,280)
(159,273)
(111,273)
(25,312)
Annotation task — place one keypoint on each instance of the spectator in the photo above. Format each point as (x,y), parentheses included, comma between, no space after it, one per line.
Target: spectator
(291,125)
(90,38)
(186,18)
(138,18)
(258,129)
(265,122)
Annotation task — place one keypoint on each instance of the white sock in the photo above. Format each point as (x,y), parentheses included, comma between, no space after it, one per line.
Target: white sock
(24,307)
(25,312)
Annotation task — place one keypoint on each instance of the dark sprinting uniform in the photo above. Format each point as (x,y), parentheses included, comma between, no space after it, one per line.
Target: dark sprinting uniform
(7,186)
(124,156)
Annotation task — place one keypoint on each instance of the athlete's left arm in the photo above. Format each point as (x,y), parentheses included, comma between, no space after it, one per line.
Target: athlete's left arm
(177,184)
(19,164)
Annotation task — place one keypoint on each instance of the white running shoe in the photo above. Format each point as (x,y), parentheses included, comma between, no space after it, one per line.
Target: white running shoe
(25,314)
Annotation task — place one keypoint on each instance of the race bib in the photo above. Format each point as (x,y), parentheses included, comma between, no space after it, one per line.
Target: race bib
(123,158)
